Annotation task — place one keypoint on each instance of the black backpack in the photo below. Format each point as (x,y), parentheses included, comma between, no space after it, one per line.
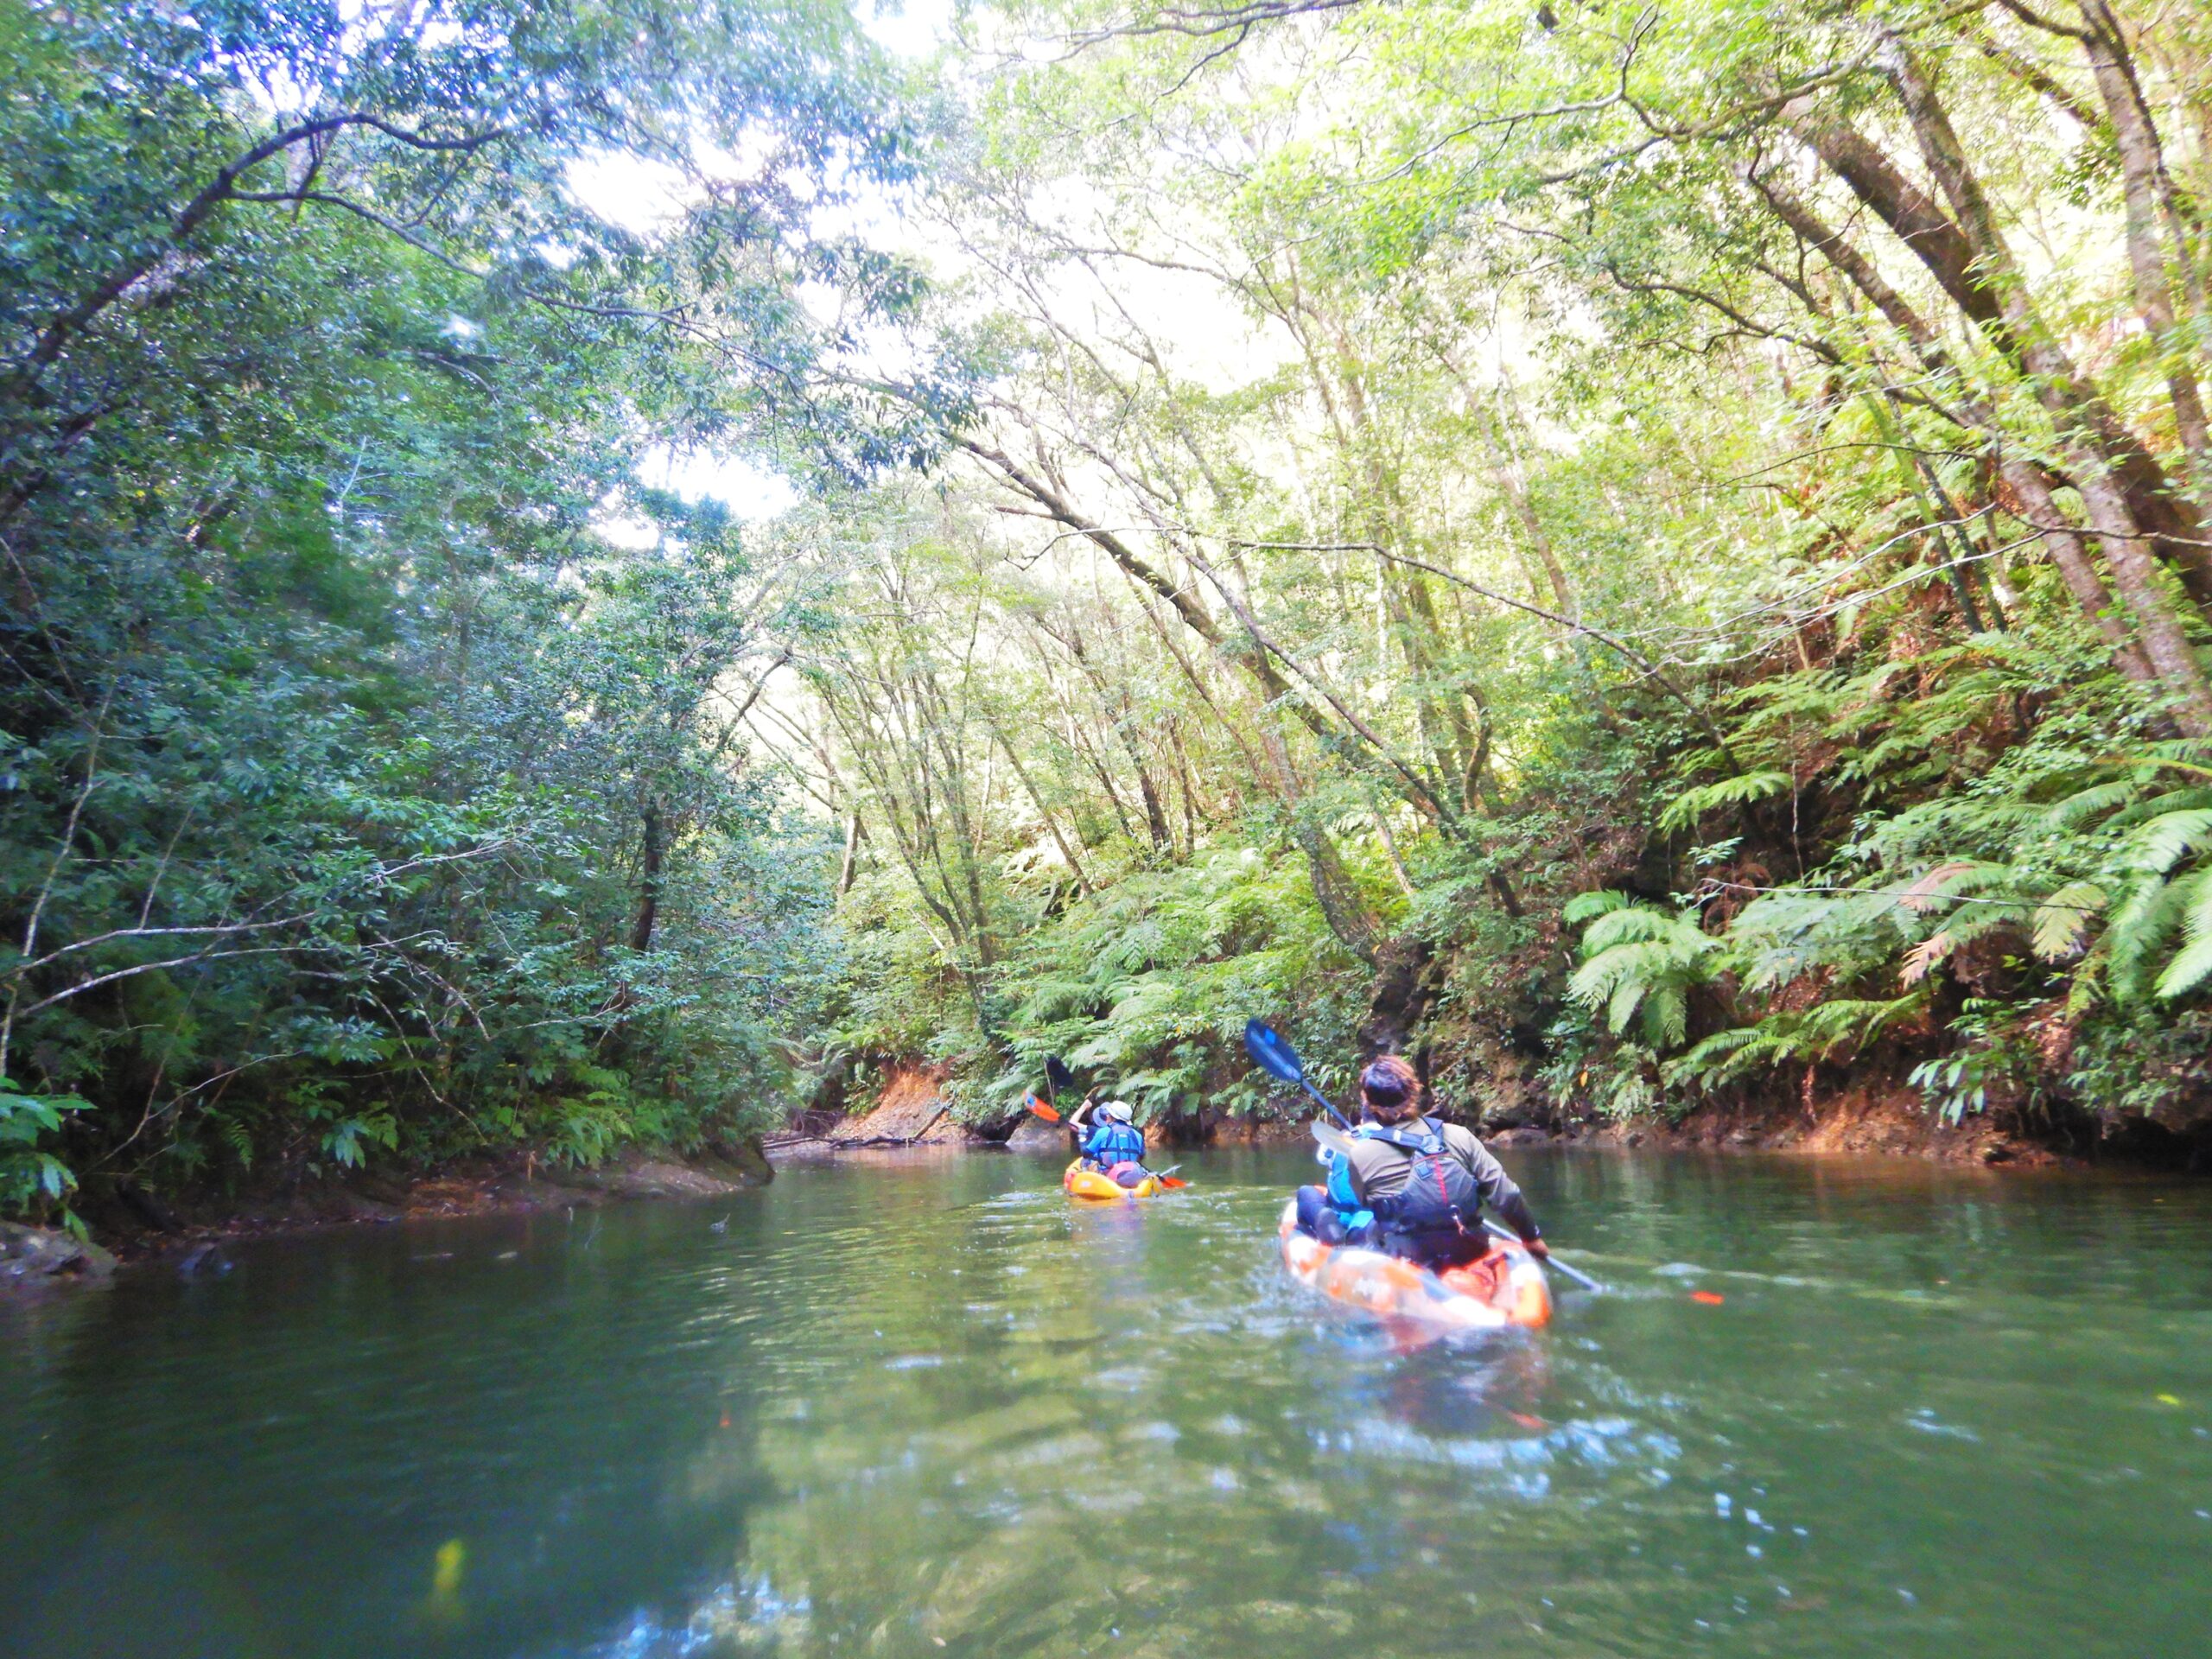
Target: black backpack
(1440,1196)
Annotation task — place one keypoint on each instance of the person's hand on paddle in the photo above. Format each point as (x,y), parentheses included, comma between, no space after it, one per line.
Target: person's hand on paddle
(1537,1247)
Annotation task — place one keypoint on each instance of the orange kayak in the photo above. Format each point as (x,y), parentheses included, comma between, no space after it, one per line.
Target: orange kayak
(1503,1288)
(1098,1187)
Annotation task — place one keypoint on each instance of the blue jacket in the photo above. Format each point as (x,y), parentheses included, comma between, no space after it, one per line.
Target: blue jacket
(1111,1143)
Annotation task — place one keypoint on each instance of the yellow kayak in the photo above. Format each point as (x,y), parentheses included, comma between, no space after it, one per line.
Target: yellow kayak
(1098,1187)
(1504,1286)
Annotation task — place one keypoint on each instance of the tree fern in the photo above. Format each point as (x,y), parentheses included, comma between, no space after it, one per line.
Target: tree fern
(1824,1032)
(1638,963)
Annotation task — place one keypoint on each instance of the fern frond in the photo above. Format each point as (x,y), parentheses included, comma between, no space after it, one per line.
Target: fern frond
(1851,1022)
(1666,1015)
(1713,1060)
(1953,876)
(1621,1007)
(2174,800)
(1647,961)
(2139,931)
(1632,925)
(2166,840)
(1923,956)
(1686,808)
(1586,905)
(2062,920)
(2188,970)
(2080,807)
(1594,982)
(2192,966)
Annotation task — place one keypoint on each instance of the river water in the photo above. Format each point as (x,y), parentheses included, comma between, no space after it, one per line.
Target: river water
(907,1407)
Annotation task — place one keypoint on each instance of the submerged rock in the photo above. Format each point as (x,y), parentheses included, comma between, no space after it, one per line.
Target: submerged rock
(1036,1135)
(208,1258)
(37,1258)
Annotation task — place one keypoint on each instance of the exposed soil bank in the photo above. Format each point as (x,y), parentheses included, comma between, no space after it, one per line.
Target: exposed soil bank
(1873,1114)
(1862,1126)
(1870,1123)
(1858,1114)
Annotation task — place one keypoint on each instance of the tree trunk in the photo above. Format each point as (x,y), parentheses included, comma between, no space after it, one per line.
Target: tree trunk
(849,870)
(1405,985)
(1982,279)
(2033,498)
(1342,907)
(2142,164)
(1512,483)
(641,935)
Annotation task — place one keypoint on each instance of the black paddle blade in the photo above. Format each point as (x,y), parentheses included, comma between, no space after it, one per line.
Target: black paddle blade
(1273,1055)
(1057,1069)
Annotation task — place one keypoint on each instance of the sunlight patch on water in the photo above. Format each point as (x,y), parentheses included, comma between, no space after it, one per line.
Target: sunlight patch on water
(754,1616)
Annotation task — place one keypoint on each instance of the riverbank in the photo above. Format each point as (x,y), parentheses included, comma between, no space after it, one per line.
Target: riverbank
(1857,1113)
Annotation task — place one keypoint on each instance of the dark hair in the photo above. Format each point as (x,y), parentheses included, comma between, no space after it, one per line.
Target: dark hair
(1391,1087)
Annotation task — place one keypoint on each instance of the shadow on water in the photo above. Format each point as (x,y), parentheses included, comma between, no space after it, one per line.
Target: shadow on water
(918,1405)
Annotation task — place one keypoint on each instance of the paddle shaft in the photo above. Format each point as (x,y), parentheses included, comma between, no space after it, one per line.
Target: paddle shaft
(1324,1099)
(1575,1274)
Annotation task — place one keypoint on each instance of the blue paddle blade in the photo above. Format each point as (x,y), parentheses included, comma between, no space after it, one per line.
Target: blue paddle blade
(1273,1055)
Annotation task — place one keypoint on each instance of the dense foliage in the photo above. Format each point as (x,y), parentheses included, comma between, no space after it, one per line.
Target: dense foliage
(1641,551)
(374,774)
(1634,553)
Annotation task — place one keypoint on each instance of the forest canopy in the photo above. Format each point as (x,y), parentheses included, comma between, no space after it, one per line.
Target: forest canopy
(1637,554)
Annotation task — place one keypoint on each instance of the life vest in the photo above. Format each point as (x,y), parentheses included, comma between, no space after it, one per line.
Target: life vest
(1439,1203)
(1112,1143)
(1342,1198)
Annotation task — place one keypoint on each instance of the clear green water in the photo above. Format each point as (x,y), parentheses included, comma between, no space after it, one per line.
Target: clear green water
(919,1407)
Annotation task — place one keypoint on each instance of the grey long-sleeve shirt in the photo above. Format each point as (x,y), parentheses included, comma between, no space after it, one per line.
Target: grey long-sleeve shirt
(1379,1170)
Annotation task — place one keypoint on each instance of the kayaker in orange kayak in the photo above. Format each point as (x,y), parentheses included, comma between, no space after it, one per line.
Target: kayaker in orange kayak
(1111,1141)
(1425,1182)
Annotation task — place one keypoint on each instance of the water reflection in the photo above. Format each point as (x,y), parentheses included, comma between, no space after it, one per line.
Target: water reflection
(929,1407)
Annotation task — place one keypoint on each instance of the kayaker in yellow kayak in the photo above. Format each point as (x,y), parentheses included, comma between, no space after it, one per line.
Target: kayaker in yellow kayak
(1423,1182)
(1111,1141)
